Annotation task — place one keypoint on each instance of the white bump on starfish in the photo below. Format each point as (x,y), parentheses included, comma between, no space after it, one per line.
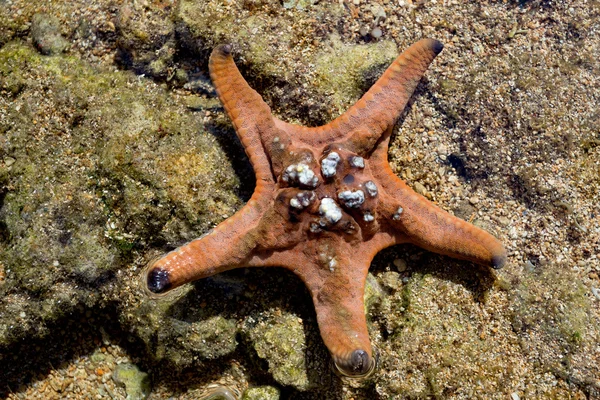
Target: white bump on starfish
(330,211)
(357,162)
(302,200)
(329,164)
(332,264)
(300,173)
(371,188)
(398,212)
(351,198)
(314,227)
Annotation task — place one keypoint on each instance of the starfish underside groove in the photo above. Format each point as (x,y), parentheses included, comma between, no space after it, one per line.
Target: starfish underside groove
(326,201)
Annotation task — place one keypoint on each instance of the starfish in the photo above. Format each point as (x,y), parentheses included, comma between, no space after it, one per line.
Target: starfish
(326,201)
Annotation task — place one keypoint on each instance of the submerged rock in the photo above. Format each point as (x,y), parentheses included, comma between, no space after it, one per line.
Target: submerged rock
(261,393)
(45,32)
(96,166)
(146,39)
(137,383)
(282,343)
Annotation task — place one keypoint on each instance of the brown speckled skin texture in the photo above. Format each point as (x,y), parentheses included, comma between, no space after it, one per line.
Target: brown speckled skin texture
(333,256)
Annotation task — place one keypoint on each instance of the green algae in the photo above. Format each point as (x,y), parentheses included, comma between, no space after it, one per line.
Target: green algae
(342,70)
(137,383)
(282,343)
(12,25)
(102,165)
(261,393)
(553,304)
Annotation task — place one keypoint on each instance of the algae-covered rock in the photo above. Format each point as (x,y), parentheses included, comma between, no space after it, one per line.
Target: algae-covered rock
(261,393)
(282,343)
(373,293)
(552,312)
(346,71)
(435,336)
(213,338)
(97,165)
(45,31)
(181,342)
(137,383)
(146,39)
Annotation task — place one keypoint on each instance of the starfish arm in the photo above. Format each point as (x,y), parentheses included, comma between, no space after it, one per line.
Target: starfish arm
(251,116)
(342,322)
(432,228)
(422,223)
(379,107)
(335,273)
(227,246)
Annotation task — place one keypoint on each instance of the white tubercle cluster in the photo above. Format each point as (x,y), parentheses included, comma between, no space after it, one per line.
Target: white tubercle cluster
(371,188)
(398,213)
(357,162)
(302,200)
(332,264)
(300,174)
(329,164)
(330,211)
(352,198)
(355,193)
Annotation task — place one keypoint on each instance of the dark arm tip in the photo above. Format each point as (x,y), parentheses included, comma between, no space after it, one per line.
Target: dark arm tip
(499,260)
(224,49)
(360,361)
(436,46)
(158,281)
(359,365)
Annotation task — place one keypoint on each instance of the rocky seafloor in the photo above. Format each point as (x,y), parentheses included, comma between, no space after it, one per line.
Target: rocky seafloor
(114,149)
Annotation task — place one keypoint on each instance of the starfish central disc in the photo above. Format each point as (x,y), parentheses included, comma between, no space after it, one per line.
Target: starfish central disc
(343,195)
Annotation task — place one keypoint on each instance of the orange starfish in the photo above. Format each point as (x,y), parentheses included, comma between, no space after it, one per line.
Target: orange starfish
(326,201)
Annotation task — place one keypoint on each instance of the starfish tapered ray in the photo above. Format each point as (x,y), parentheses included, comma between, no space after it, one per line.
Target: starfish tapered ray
(326,201)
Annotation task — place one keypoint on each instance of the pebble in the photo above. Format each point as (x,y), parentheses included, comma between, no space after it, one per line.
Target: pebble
(400,265)
(136,382)
(419,188)
(45,32)
(503,221)
(378,11)
(262,393)
(376,32)
(391,280)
